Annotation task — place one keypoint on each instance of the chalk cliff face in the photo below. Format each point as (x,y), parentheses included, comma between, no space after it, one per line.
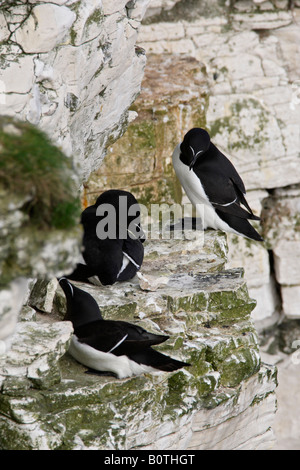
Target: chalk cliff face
(224,400)
(71,67)
(233,70)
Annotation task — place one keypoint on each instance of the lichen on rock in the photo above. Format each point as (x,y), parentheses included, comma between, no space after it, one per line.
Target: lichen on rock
(226,398)
(72,409)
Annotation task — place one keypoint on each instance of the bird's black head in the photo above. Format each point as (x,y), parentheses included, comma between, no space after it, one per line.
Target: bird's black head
(122,211)
(112,196)
(195,143)
(82,308)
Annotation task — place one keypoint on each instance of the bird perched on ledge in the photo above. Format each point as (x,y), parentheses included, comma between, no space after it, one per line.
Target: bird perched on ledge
(117,347)
(213,185)
(113,239)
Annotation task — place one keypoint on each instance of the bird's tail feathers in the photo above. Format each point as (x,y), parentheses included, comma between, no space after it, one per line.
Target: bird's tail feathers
(253,217)
(240,225)
(159,361)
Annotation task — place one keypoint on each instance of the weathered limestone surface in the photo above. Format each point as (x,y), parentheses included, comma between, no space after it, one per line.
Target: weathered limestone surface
(157,6)
(251,57)
(234,70)
(240,68)
(63,65)
(285,424)
(281,214)
(33,242)
(12,298)
(142,159)
(224,400)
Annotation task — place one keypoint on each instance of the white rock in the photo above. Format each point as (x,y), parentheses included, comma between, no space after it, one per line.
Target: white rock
(252,256)
(252,140)
(240,66)
(35,349)
(34,111)
(260,70)
(57,2)
(286,424)
(151,283)
(272,68)
(137,9)
(43,71)
(68,80)
(42,295)
(110,7)
(291,301)
(289,45)
(17,75)
(12,103)
(11,301)
(268,303)
(156,6)
(267,20)
(88,22)
(211,430)
(4,31)
(161,31)
(287,261)
(47,27)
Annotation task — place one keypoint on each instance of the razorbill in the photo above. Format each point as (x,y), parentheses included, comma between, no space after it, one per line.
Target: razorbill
(213,185)
(113,239)
(113,346)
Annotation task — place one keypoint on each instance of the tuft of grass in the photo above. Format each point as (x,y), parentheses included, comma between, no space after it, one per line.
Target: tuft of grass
(31,165)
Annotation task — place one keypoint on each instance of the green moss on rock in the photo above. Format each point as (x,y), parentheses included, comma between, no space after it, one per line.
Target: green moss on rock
(236,357)
(31,165)
(192,303)
(234,305)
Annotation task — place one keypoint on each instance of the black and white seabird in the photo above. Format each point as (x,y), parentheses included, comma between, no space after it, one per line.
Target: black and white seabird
(212,183)
(113,239)
(113,346)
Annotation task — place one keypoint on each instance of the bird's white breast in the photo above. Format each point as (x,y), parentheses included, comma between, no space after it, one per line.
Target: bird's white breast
(196,194)
(189,181)
(122,366)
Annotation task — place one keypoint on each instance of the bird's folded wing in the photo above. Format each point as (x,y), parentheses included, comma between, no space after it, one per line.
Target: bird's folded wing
(236,210)
(225,195)
(117,337)
(99,337)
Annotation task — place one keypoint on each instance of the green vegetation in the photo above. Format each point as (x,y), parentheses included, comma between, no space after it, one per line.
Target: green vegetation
(31,165)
